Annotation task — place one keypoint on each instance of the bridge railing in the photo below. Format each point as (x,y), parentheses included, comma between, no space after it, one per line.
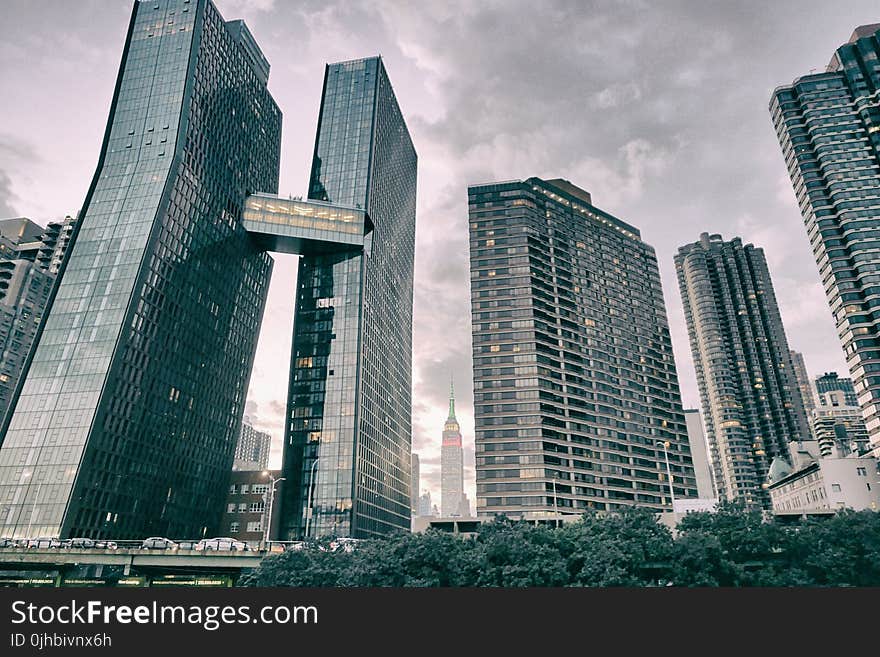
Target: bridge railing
(185,546)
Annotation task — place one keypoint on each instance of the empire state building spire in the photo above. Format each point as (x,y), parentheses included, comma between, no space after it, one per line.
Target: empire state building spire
(451,399)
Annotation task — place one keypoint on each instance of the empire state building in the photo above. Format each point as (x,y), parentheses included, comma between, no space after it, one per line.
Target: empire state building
(452,499)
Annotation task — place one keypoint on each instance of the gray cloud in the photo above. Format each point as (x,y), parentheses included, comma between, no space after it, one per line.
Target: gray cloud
(6,196)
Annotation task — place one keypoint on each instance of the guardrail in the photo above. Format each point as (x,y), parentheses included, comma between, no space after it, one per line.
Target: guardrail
(26,544)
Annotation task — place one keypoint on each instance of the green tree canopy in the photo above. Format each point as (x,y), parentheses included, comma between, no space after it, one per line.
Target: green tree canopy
(729,547)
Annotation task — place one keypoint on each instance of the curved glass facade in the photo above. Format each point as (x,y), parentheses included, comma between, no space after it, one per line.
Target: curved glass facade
(127,421)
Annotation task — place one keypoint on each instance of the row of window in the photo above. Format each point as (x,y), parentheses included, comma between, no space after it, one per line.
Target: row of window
(244,507)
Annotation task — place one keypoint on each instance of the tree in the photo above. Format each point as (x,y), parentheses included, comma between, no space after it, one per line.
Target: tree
(730,547)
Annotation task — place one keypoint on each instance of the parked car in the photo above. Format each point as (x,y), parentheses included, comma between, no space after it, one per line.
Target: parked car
(80,543)
(344,544)
(44,542)
(105,545)
(187,545)
(158,543)
(11,542)
(295,546)
(223,543)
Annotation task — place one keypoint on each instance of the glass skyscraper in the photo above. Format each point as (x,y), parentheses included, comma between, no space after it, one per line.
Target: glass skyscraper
(828,125)
(576,397)
(347,452)
(752,404)
(127,420)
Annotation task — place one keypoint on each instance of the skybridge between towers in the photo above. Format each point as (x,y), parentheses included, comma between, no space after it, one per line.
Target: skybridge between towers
(304,227)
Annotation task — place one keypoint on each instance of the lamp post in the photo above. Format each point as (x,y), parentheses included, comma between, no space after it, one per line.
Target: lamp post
(665,446)
(271,502)
(309,503)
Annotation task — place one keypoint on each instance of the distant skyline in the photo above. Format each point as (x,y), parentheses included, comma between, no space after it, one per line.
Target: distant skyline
(659,110)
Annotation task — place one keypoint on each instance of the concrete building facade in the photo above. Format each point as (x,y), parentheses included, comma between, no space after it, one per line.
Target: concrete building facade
(575,388)
(828,126)
(827,483)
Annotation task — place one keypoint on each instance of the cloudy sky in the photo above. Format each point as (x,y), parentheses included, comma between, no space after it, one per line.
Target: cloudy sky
(658,108)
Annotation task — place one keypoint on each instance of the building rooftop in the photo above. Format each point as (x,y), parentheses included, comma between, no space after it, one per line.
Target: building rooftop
(242,35)
(564,185)
(863,31)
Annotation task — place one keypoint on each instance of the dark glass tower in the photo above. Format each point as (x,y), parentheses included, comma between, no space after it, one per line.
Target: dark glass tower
(828,125)
(128,417)
(348,438)
(576,397)
(752,404)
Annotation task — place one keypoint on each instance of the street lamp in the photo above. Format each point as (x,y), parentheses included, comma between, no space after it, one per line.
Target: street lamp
(309,503)
(665,446)
(271,502)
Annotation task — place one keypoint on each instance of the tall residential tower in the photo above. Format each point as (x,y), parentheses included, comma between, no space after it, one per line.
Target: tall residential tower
(576,396)
(751,402)
(30,257)
(252,450)
(808,395)
(830,382)
(828,125)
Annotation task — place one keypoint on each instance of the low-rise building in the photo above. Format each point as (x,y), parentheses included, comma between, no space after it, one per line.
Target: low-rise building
(249,504)
(825,483)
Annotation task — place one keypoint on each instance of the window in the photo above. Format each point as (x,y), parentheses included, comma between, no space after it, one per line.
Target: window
(233,527)
(835,488)
(255,526)
(230,508)
(244,489)
(256,507)
(242,508)
(232,489)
